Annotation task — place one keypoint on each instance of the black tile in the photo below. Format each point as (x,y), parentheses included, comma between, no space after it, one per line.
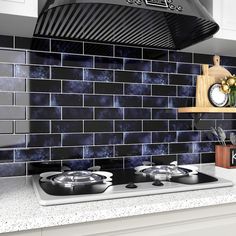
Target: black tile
(77,139)
(66,153)
(230,116)
(109,113)
(44,140)
(164,137)
(40,72)
(12,84)
(132,162)
(77,61)
(155,125)
(155,54)
(155,149)
(125,126)
(229,125)
(66,100)
(227,61)
(41,113)
(180,79)
(6,156)
(67,126)
(98,75)
(32,155)
(108,164)
(128,77)
(133,138)
(128,52)
(164,159)
(108,138)
(187,159)
(155,101)
(108,88)
(12,141)
(203,58)
(32,43)
(78,164)
(181,56)
(178,125)
(32,99)
(6,41)
(98,126)
(98,101)
(155,78)
(24,127)
(137,89)
(98,49)
(128,150)
(231,69)
(14,169)
(6,70)
(177,148)
(203,147)
(98,152)
(77,113)
(188,69)
(208,158)
(204,124)
(66,46)
(212,116)
(186,91)
(67,73)
(43,58)
(177,102)
(137,65)
(44,86)
(42,167)
(162,114)
(188,136)
(163,90)
(134,114)
(128,101)
(77,87)
(6,127)
(167,67)
(6,98)
(109,63)
(11,56)
(12,113)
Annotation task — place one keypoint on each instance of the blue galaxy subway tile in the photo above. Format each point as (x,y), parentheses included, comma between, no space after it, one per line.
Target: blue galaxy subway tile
(40,72)
(77,60)
(44,140)
(66,153)
(227,61)
(204,124)
(32,43)
(164,159)
(27,127)
(66,46)
(77,113)
(13,169)
(41,154)
(134,138)
(134,114)
(12,84)
(98,49)
(65,73)
(155,125)
(181,56)
(6,41)
(209,136)
(109,88)
(35,167)
(41,113)
(108,164)
(180,125)
(67,126)
(155,101)
(128,77)
(128,52)
(137,65)
(177,102)
(132,162)
(128,101)
(6,70)
(98,101)
(188,136)
(128,150)
(109,113)
(155,149)
(162,114)
(34,85)
(77,139)
(6,156)
(11,56)
(207,158)
(187,91)
(43,58)
(177,79)
(229,125)
(78,164)
(66,100)
(109,63)
(98,126)
(125,126)
(32,99)
(203,58)
(179,148)
(77,87)
(12,141)
(155,78)
(137,89)
(98,152)
(98,75)
(166,67)
(108,138)
(231,69)
(155,54)
(188,69)
(187,159)
(164,137)
(163,90)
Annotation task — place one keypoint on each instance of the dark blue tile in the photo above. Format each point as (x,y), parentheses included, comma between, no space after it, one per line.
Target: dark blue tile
(186,91)
(109,113)
(176,148)
(128,101)
(32,43)
(186,159)
(44,140)
(188,69)
(98,75)
(125,126)
(77,87)
(181,56)
(128,52)
(78,164)
(229,125)
(41,113)
(134,114)
(188,136)
(155,78)
(43,58)
(179,125)
(40,72)
(66,153)
(98,152)
(137,65)
(109,63)
(6,41)
(155,149)
(155,125)
(77,139)
(66,46)
(155,101)
(133,138)
(77,113)
(177,79)
(204,124)
(29,127)
(12,84)
(132,162)
(109,164)
(6,156)
(66,100)
(67,73)
(137,89)
(11,56)
(67,126)
(203,58)
(98,101)
(77,61)
(44,86)
(22,155)
(164,137)
(98,49)
(128,150)
(36,168)
(128,77)
(108,138)
(231,69)
(32,99)
(14,169)
(177,102)
(228,61)
(167,67)
(203,147)
(208,158)
(6,70)
(98,126)
(155,54)
(109,88)
(164,159)
(162,114)
(164,90)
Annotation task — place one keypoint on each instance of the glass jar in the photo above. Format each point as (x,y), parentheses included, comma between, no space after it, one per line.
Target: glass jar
(232,97)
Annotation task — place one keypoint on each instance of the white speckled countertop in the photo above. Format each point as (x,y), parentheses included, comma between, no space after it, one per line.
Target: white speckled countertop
(19,209)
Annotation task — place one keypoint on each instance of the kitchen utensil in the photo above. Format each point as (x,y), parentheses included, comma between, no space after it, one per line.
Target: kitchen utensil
(233,138)
(215,133)
(222,135)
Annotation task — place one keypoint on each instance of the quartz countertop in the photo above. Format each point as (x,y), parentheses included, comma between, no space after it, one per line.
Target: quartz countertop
(19,209)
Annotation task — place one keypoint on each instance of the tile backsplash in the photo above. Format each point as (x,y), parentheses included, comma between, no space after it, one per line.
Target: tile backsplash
(79,104)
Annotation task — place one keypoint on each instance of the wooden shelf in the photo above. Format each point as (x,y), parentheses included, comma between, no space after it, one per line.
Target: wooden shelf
(207,110)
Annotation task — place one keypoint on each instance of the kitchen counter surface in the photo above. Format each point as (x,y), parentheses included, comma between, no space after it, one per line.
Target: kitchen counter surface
(19,209)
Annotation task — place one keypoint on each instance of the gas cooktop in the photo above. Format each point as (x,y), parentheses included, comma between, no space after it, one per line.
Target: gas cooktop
(53,188)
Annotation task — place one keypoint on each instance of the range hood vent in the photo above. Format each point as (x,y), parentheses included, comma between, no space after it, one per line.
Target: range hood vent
(170,24)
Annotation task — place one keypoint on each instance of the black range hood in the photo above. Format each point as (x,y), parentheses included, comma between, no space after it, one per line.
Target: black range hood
(170,24)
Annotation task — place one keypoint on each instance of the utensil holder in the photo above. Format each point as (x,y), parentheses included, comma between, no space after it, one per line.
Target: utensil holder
(225,156)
